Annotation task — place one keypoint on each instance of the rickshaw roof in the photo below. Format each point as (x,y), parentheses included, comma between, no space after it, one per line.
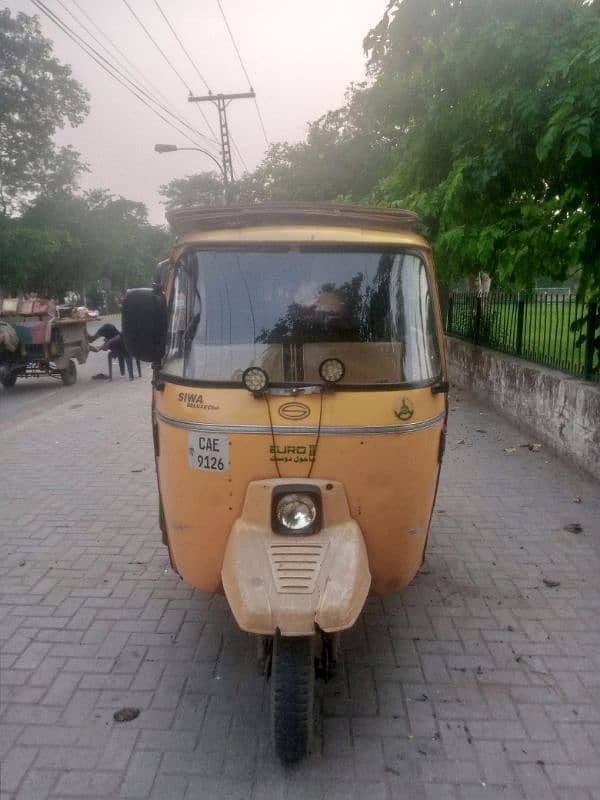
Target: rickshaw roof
(199,219)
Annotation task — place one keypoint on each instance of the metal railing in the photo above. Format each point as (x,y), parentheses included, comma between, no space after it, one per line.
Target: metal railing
(556,330)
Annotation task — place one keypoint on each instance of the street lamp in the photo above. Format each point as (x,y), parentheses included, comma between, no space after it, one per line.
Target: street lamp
(172,148)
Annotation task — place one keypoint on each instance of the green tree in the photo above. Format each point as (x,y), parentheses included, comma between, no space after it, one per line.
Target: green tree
(338,160)
(70,241)
(494,109)
(483,116)
(37,96)
(51,238)
(26,251)
(203,189)
(341,159)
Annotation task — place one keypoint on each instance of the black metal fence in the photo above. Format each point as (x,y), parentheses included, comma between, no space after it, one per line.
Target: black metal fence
(553,329)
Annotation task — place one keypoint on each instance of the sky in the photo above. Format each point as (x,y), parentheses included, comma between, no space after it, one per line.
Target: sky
(300,55)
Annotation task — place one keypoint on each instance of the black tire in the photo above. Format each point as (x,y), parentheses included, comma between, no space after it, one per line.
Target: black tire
(69,375)
(8,381)
(292,696)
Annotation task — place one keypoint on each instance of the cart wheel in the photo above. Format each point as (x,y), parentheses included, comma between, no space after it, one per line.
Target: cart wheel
(8,381)
(69,375)
(292,696)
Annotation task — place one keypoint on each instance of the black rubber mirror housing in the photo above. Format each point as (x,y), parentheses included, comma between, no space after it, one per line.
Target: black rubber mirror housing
(144,324)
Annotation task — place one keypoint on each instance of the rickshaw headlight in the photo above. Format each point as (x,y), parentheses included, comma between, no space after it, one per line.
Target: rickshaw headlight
(332,370)
(296,509)
(255,379)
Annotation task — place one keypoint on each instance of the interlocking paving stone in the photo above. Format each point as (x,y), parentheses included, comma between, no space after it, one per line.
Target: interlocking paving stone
(477,682)
(37,785)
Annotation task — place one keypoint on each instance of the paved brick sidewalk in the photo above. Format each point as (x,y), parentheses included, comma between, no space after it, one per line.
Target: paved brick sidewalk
(480,681)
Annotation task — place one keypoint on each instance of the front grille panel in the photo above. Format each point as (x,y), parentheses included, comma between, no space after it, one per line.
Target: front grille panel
(296,565)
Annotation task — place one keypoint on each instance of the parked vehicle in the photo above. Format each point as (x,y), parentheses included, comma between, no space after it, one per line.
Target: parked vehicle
(36,341)
(299,412)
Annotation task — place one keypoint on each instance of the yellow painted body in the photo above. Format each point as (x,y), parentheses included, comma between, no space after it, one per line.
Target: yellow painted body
(390,479)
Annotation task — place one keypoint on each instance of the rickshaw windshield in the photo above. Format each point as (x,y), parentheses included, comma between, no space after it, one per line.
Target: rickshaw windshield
(287,310)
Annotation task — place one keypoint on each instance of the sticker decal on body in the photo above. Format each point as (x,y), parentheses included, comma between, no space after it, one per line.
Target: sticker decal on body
(405,409)
(294,410)
(208,452)
(290,453)
(196,400)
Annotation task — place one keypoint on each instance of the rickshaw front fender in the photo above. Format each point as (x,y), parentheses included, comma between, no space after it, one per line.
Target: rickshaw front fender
(296,584)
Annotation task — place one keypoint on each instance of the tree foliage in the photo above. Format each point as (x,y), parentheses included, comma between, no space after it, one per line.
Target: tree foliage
(483,116)
(498,143)
(38,96)
(68,242)
(340,158)
(203,189)
(53,239)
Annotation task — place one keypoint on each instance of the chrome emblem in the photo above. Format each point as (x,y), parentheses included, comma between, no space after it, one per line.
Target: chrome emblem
(295,411)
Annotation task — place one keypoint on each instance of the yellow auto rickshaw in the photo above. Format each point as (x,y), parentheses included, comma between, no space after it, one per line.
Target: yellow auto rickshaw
(299,413)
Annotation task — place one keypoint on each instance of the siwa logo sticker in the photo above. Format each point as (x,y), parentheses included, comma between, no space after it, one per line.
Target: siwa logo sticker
(405,409)
(294,410)
(195,400)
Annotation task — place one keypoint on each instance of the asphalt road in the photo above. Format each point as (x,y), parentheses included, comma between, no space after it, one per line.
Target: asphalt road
(32,396)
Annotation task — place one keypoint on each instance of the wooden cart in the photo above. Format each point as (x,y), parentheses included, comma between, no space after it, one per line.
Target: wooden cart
(45,344)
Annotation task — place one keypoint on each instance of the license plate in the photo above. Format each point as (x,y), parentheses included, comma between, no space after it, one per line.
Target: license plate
(208,452)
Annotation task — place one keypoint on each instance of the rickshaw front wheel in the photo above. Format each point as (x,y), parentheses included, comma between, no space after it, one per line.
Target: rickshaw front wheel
(292,696)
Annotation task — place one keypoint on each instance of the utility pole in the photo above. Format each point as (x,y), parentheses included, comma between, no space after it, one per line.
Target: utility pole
(222,101)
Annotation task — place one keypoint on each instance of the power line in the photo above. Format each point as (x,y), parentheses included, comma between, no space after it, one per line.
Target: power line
(121,57)
(106,65)
(174,32)
(166,58)
(243,66)
(136,86)
(152,94)
(158,47)
(231,36)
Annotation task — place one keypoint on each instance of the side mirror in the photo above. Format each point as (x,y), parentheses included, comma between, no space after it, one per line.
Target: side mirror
(144,324)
